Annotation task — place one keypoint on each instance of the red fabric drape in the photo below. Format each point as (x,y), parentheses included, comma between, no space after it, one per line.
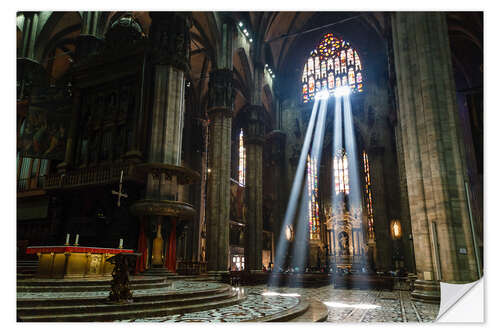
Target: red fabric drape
(142,246)
(171,260)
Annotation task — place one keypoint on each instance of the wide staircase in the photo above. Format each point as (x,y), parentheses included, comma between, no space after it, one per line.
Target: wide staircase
(71,301)
(26,268)
(154,297)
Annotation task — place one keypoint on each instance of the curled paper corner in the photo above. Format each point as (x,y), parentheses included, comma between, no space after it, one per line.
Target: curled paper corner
(462,302)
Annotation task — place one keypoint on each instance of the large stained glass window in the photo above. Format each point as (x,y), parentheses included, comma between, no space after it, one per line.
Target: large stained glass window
(341,173)
(333,61)
(312,191)
(368,195)
(242,160)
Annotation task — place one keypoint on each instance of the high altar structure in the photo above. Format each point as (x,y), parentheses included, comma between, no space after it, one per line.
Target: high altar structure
(180,134)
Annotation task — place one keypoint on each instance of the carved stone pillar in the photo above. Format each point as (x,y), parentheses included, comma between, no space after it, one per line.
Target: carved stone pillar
(90,40)
(433,156)
(220,112)
(277,140)
(73,131)
(254,120)
(169,56)
(219,159)
(30,72)
(383,255)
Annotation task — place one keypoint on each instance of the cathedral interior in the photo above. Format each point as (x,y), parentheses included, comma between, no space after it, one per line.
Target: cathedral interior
(247,166)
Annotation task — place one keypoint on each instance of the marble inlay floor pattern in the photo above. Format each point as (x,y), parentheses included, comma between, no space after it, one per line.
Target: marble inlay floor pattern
(255,306)
(368,305)
(343,306)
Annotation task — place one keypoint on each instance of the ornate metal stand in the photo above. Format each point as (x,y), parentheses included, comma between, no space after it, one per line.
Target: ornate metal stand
(120,289)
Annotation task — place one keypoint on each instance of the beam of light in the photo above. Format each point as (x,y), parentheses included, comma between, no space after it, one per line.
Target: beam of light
(300,250)
(336,147)
(323,94)
(352,157)
(356,306)
(294,193)
(320,131)
(273,293)
(342,91)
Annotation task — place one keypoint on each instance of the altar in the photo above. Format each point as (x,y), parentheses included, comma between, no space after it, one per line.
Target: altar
(73,261)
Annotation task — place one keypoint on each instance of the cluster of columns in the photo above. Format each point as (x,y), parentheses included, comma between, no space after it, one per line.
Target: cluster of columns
(254,120)
(433,157)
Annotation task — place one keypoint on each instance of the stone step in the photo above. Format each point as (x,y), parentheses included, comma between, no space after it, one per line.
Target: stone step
(127,311)
(87,281)
(73,288)
(69,300)
(316,312)
(286,315)
(105,306)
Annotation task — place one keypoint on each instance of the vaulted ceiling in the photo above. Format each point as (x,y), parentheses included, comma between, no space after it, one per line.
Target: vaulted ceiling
(281,39)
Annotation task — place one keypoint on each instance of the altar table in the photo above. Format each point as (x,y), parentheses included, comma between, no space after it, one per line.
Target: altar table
(73,261)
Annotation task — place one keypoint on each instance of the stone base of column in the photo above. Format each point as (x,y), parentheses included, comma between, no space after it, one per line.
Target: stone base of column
(426,291)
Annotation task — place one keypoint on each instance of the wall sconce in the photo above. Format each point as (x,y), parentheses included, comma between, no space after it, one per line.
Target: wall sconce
(289,233)
(396,230)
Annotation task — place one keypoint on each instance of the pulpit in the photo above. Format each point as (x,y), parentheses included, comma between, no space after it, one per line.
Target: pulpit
(74,261)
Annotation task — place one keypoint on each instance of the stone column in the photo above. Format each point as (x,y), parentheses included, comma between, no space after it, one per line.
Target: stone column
(277,140)
(254,120)
(90,39)
(72,134)
(433,156)
(30,71)
(383,259)
(169,57)
(407,238)
(220,109)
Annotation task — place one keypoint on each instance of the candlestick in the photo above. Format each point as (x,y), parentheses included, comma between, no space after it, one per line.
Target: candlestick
(67,239)
(121,243)
(76,239)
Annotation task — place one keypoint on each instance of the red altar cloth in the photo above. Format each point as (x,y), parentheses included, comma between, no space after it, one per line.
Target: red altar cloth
(75,249)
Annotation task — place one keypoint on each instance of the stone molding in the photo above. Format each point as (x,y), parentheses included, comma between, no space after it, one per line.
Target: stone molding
(221,92)
(170,39)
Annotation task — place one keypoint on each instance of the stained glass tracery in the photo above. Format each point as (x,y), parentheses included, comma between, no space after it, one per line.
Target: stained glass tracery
(341,173)
(334,62)
(242,156)
(312,190)
(368,195)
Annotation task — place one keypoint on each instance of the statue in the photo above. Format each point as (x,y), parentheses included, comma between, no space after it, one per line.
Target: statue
(344,243)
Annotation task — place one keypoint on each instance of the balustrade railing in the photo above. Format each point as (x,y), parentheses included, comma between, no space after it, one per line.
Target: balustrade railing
(87,176)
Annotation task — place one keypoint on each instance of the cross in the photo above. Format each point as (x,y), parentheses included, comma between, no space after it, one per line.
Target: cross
(120,194)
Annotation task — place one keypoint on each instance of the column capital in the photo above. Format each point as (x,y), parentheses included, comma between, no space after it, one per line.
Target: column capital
(255,120)
(220,92)
(170,39)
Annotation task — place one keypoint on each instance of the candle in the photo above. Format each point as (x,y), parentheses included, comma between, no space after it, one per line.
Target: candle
(76,240)
(67,239)
(121,243)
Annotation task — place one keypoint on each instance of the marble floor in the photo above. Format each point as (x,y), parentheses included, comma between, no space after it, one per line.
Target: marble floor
(261,301)
(343,306)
